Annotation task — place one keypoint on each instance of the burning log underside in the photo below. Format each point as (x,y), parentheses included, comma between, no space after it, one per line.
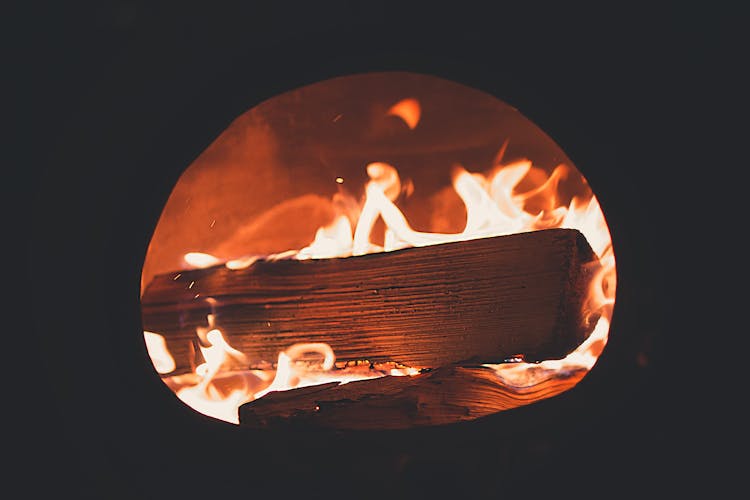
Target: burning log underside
(466,302)
(446,395)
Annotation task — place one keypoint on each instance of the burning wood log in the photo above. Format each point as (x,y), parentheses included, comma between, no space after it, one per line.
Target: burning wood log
(474,301)
(446,395)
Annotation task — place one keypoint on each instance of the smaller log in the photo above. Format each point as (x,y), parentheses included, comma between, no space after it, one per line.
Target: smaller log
(442,396)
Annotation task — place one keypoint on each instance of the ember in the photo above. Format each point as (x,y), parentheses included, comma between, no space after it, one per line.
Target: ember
(261,373)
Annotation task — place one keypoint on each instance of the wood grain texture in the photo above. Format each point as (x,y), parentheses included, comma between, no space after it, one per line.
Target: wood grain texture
(476,301)
(443,396)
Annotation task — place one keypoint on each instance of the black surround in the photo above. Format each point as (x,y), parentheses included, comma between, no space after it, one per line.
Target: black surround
(127,96)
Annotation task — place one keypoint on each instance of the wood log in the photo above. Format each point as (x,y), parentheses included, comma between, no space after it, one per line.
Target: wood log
(442,396)
(475,301)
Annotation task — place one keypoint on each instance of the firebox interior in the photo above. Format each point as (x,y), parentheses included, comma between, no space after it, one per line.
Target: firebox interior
(357,165)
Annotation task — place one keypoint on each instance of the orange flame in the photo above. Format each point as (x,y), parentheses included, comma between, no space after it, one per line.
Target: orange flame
(158,352)
(200,260)
(287,376)
(513,198)
(207,395)
(408,110)
(334,240)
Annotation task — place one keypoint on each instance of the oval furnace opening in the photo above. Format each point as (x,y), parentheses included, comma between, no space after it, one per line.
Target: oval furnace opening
(384,250)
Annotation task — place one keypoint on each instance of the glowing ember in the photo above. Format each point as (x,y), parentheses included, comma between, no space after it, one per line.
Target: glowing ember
(511,198)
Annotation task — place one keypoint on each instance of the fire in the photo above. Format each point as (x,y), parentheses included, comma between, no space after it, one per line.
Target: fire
(510,198)
(158,352)
(218,389)
(408,110)
(330,241)
(200,260)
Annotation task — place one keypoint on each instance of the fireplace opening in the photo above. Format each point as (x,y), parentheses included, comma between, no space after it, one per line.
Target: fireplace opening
(383,250)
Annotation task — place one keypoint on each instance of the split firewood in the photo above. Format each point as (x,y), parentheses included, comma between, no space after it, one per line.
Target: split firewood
(443,396)
(474,301)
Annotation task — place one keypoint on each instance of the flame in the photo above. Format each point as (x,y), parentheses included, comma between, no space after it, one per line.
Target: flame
(219,386)
(286,375)
(201,260)
(207,396)
(408,110)
(511,198)
(333,240)
(242,262)
(158,352)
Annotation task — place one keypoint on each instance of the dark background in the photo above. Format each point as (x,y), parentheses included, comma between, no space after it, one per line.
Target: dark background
(110,101)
